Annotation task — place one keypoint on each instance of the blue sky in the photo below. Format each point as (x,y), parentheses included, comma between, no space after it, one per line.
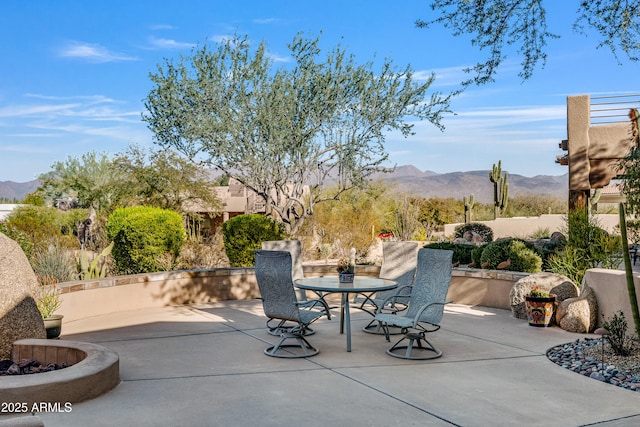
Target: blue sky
(75,73)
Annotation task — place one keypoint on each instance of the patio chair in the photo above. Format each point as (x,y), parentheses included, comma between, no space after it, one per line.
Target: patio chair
(294,247)
(399,260)
(274,277)
(425,307)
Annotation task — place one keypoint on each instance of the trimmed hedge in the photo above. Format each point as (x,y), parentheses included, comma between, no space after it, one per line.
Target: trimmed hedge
(141,235)
(243,234)
(461,251)
(522,255)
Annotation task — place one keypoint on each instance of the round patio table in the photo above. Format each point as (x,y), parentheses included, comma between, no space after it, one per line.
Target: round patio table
(331,284)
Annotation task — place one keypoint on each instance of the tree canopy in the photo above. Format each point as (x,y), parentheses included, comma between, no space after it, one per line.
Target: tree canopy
(497,24)
(161,179)
(284,133)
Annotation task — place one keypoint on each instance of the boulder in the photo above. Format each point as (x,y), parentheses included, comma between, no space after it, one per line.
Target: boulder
(578,314)
(470,238)
(19,315)
(553,283)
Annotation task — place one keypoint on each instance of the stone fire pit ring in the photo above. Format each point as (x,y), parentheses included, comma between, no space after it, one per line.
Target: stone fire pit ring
(93,371)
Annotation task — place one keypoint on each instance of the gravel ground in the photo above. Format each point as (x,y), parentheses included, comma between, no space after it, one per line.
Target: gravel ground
(584,356)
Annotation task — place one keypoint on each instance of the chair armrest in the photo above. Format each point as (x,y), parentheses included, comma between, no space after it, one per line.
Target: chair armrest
(392,298)
(422,309)
(311,303)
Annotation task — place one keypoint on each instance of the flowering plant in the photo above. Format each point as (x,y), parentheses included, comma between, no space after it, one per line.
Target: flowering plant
(346,266)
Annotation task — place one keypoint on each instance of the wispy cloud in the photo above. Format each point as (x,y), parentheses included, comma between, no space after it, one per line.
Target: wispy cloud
(278,58)
(160,43)
(221,38)
(91,99)
(158,27)
(55,115)
(93,52)
(265,21)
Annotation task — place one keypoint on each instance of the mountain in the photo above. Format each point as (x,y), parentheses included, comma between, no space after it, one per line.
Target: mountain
(17,190)
(409,179)
(429,184)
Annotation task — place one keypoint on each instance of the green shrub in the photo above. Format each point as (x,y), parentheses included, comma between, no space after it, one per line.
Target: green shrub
(588,246)
(461,251)
(620,344)
(243,234)
(523,258)
(495,252)
(522,255)
(475,227)
(142,235)
(541,233)
(56,263)
(41,226)
(476,255)
(21,238)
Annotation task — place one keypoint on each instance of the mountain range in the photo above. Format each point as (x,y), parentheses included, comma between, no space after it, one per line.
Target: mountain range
(427,184)
(412,180)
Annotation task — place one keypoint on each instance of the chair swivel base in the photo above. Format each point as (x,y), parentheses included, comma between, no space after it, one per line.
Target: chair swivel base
(413,352)
(283,328)
(288,351)
(375,328)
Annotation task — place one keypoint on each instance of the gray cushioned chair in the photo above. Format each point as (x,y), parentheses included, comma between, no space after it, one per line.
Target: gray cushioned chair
(273,274)
(425,306)
(399,261)
(294,247)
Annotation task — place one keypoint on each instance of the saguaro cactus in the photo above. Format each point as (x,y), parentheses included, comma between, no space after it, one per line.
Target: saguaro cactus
(500,189)
(468,208)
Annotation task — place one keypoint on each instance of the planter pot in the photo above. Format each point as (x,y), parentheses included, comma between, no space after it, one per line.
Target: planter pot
(53,326)
(346,277)
(540,310)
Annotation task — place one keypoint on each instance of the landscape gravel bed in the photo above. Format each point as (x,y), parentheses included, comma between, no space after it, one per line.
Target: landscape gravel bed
(584,356)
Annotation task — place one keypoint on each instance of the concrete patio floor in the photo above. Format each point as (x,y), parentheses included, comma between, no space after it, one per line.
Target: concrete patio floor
(204,366)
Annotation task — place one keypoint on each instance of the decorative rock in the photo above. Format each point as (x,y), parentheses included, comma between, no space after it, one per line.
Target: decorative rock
(578,314)
(19,315)
(557,284)
(470,238)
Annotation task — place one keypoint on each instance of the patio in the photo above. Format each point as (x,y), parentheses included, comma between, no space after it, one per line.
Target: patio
(203,365)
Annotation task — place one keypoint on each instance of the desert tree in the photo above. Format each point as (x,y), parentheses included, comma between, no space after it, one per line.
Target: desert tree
(498,26)
(90,178)
(286,132)
(164,179)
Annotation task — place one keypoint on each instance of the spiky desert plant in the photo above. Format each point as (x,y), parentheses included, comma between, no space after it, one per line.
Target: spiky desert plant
(500,189)
(468,208)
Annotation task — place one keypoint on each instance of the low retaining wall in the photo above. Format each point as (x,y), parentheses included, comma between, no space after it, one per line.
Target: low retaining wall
(489,288)
(82,299)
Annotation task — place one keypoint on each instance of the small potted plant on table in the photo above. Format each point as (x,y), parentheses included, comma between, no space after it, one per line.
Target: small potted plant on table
(347,267)
(539,306)
(48,301)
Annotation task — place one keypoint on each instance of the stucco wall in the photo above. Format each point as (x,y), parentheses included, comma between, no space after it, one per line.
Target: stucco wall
(525,226)
(610,288)
(82,299)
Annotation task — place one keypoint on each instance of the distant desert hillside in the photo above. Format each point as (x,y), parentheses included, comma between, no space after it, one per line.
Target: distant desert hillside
(428,184)
(412,180)
(17,190)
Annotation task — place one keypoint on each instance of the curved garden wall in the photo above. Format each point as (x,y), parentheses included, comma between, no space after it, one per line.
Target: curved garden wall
(81,299)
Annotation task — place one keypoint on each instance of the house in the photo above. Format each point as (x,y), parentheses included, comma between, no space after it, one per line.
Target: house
(236,200)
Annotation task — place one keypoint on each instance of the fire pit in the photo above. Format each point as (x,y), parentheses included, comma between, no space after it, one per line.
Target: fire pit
(91,370)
